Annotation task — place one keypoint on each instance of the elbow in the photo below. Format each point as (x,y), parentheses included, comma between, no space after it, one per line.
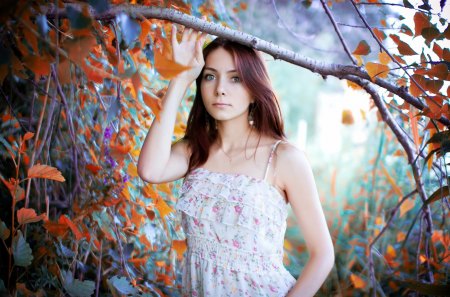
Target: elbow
(145,174)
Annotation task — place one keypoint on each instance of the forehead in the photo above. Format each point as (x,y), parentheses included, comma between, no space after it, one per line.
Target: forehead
(220,59)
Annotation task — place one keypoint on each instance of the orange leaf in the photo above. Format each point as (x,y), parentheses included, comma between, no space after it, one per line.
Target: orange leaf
(65,220)
(136,81)
(79,47)
(377,70)
(400,236)
(347,117)
(405,49)
(384,58)
(153,102)
(40,65)
(93,168)
(357,281)
(392,181)
(421,21)
(414,128)
(164,188)
(167,68)
(28,215)
(179,246)
(27,136)
(45,171)
(379,34)
(362,49)
(406,206)
(162,207)
(56,229)
(440,71)
(353,85)
(149,191)
(438,50)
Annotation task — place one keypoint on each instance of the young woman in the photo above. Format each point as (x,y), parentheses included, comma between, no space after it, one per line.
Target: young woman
(239,173)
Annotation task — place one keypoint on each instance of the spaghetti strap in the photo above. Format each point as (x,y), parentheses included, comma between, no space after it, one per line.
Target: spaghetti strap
(274,147)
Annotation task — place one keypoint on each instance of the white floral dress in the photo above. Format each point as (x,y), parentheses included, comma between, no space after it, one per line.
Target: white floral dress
(235,226)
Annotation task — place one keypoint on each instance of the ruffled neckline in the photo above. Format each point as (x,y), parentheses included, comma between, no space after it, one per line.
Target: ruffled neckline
(248,177)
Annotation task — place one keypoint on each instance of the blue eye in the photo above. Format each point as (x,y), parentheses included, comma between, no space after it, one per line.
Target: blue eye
(208,76)
(236,79)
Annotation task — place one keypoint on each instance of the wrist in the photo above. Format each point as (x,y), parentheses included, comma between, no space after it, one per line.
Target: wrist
(181,82)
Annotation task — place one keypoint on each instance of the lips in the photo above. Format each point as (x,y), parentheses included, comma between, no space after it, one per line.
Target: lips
(221,104)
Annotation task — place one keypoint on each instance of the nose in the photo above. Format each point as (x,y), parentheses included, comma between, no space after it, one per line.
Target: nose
(220,88)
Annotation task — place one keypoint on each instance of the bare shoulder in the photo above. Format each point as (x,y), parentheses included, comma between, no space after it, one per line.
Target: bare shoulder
(292,163)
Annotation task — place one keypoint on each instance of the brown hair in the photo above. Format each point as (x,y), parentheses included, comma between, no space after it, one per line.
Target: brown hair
(201,132)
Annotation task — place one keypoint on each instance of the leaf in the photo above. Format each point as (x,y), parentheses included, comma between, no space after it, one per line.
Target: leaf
(404,49)
(162,207)
(430,34)
(122,285)
(153,102)
(377,70)
(4,231)
(384,58)
(421,21)
(362,49)
(406,206)
(66,220)
(39,65)
(56,228)
(78,19)
(438,194)
(21,251)
(347,117)
(93,168)
(113,110)
(28,215)
(357,281)
(129,27)
(167,68)
(75,287)
(28,136)
(380,34)
(79,47)
(45,171)
(179,246)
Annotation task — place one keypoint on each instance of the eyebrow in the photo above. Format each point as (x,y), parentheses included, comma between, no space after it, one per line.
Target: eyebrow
(214,70)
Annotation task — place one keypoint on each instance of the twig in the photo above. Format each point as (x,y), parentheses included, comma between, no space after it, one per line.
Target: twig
(389,54)
(386,226)
(338,32)
(99,270)
(36,141)
(296,35)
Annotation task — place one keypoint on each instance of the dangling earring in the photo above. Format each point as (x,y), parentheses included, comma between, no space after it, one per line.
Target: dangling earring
(251,120)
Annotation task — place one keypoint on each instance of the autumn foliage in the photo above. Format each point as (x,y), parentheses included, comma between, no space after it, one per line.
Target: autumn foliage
(80,93)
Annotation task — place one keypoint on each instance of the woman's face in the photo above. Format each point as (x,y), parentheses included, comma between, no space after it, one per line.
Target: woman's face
(224,95)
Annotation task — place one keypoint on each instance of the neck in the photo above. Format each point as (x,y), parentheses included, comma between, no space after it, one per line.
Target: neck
(232,134)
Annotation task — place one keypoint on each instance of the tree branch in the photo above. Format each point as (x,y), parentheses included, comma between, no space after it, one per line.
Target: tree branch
(324,69)
(338,32)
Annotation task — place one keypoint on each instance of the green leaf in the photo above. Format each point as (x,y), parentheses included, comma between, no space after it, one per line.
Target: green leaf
(439,137)
(407,4)
(438,194)
(75,287)
(122,285)
(21,251)
(4,231)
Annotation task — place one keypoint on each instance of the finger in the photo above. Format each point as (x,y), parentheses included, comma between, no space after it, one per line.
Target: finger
(199,51)
(185,34)
(174,35)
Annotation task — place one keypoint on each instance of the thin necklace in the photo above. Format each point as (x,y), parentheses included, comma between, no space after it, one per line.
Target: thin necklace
(230,158)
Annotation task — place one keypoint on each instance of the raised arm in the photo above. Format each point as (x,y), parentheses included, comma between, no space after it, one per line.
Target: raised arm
(159,161)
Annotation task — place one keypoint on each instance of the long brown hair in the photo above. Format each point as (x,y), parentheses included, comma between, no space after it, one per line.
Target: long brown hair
(200,130)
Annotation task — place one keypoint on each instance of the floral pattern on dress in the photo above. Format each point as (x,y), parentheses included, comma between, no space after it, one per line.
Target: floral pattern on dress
(235,226)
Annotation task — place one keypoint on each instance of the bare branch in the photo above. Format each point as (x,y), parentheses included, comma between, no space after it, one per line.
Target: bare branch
(322,68)
(338,32)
